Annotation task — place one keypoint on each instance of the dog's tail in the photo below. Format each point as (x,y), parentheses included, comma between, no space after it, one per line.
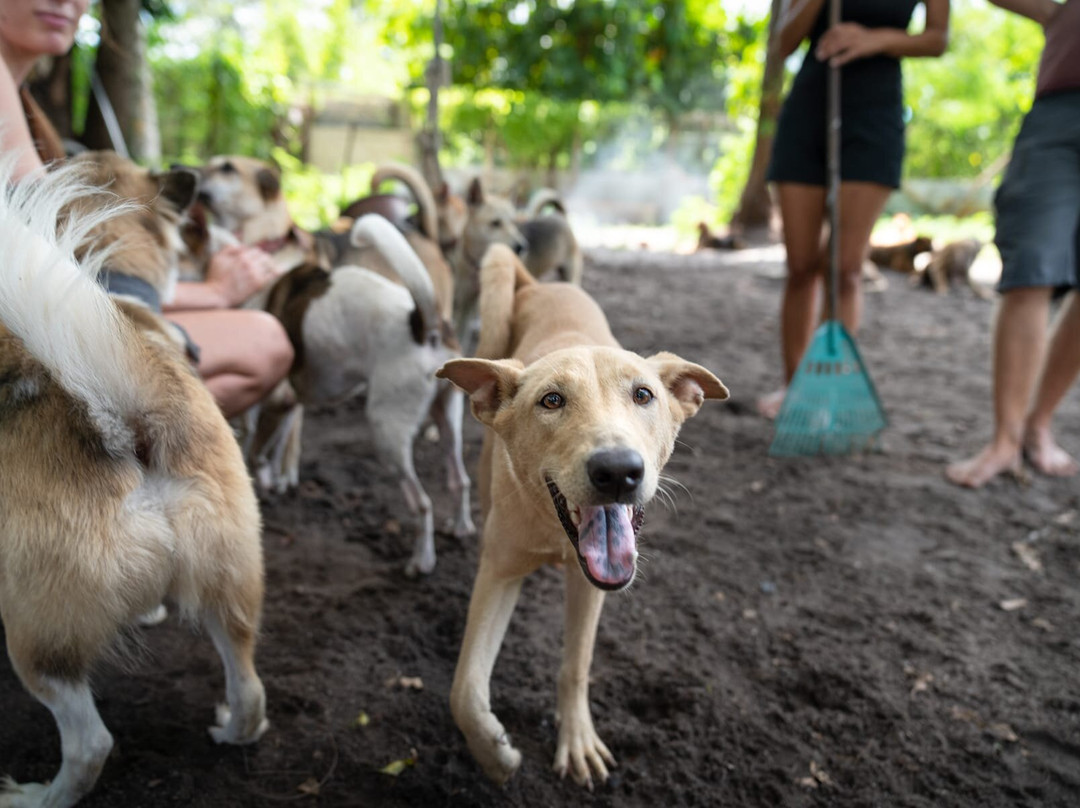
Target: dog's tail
(54,304)
(421,191)
(541,198)
(501,275)
(387,239)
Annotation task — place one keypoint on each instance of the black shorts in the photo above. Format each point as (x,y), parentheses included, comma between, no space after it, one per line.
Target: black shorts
(1037,205)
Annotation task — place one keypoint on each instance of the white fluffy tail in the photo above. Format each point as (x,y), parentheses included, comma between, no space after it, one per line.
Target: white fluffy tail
(54,303)
(387,239)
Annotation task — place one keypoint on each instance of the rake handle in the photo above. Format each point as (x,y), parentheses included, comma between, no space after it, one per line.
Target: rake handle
(832,200)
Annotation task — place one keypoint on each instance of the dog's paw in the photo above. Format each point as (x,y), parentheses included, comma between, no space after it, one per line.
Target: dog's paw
(582,754)
(226,732)
(461,527)
(22,795)
(417,566)
(498,758)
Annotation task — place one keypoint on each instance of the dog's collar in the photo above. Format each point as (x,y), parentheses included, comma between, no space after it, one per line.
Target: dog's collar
(121,284)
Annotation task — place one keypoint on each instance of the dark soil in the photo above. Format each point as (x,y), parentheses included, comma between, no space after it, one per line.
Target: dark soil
(810,632)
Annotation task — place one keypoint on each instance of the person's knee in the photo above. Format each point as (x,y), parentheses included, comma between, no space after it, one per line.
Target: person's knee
(803,269)
(275,355)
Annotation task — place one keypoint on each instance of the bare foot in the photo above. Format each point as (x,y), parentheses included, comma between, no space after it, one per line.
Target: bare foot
(1043,452)
(768,406)
(976,471)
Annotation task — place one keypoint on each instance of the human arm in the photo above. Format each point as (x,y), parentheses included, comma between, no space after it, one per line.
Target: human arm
(849,41)
(233,275)
(796,20)
(15,134)
(1041,11)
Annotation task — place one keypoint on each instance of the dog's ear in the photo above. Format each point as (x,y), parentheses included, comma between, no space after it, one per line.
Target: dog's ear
(178,186)
(269,182)
(442,193)
(475,195)
(489,383)
(688,383)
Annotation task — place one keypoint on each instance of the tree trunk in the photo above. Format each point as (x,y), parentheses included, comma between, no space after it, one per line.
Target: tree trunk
(430,139)
(125,78)
(755,204)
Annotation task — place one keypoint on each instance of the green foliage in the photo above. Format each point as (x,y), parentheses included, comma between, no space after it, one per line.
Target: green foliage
(315,198)
(966,106)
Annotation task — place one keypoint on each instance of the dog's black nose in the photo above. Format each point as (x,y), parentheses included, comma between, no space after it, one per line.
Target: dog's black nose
(520,247)
(615,472)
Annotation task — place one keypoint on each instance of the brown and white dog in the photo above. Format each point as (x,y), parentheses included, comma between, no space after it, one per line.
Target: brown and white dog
(244,196)
(353,331)
(120,481)
(578,432)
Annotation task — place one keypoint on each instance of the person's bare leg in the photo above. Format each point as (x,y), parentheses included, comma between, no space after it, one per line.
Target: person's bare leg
(861,204)
(802,208)
(1019,347)
(1059,372)
(243,353)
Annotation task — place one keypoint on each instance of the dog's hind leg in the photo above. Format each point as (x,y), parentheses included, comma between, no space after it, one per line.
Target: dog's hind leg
(395,420)
(490,608)
(580,750)
(448,410)
(84,740)
(242,719)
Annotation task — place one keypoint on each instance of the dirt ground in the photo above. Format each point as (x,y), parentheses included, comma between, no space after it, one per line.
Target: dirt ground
(810,632)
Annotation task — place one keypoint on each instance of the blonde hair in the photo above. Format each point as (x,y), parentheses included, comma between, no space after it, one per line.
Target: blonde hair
(47,142)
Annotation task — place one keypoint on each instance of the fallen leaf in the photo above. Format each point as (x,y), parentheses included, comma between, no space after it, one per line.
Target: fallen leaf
(1043,624)
(411,682)
(807,782)
(1066,518)
(1003,732)
(398,766)
(964,714)
(1026,553)
(1013,604)
(719,597)
(820,774)
(922,683)
(757,485)
(749,614)
(310,787)
(392,527)
(362,720)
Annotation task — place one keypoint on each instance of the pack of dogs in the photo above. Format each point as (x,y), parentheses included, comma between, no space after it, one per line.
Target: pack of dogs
(122,485)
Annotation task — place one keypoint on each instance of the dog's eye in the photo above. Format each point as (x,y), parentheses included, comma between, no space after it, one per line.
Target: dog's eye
(643,395)
(227,168)
(496,223)
(552,401)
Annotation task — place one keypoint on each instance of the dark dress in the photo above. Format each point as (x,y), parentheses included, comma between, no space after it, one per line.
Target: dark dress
(871,108)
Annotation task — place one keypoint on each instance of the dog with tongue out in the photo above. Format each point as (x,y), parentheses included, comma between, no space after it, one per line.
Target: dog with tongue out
(578,433)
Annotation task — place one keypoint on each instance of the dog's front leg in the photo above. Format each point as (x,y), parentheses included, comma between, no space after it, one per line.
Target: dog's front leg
(580,751)
(493,599)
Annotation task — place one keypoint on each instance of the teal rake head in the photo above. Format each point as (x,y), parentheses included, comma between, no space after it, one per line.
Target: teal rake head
(831,406)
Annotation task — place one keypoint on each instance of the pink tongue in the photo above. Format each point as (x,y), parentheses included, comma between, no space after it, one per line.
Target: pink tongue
(606,542)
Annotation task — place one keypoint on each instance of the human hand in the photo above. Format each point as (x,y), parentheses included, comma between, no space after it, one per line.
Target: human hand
(237,272)
(847,42)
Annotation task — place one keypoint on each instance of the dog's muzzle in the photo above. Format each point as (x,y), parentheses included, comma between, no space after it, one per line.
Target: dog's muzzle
(604,536)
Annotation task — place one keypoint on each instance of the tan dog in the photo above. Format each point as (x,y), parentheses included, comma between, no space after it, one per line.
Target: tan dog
(120,482)
(952,263)
(550,241)
(491,220)
(244,196)
(579,431)
(708,240)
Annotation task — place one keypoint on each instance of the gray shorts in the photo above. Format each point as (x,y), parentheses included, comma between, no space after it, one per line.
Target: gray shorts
(1037,206)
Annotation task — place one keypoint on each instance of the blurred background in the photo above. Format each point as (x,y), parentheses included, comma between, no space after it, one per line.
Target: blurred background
(647,116)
